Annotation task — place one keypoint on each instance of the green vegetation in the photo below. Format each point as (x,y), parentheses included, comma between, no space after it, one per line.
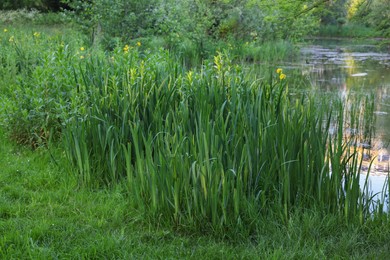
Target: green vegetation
(375,14)
(143,145)
(44,214)
(349,31)
(174,20)
(356,18)
(46,5)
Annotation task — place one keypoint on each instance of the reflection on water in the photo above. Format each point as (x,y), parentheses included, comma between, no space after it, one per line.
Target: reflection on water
(339,66)
(348,68)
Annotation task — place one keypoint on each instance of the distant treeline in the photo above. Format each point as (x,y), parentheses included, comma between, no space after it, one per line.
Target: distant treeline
(235,19)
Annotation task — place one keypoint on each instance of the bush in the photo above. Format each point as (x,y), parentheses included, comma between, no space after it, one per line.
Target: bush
(37,79)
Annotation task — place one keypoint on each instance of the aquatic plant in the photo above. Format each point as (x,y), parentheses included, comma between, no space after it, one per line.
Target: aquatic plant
(211,148)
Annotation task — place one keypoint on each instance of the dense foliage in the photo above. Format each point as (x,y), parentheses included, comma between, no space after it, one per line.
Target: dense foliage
(53,5)
(200,23)
(356,15)
(196,27)
(375,14)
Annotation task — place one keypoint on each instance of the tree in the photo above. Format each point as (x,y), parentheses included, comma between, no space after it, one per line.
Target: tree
(379,16)
(333,12)
(114,18)
(199,21)
(373,13)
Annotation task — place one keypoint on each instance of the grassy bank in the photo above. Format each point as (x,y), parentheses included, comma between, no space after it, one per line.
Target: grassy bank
(348,31)
(147,152)
(45,214)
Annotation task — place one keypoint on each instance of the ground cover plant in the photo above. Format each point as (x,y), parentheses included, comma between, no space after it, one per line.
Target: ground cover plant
(216,149)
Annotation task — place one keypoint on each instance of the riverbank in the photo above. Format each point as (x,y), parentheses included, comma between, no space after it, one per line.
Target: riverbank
(340,38)
(348,31)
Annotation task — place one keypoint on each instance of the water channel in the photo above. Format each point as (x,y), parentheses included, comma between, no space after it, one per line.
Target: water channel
(349,67)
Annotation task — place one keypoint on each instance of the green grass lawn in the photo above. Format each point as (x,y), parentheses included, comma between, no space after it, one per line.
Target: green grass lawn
(45,215)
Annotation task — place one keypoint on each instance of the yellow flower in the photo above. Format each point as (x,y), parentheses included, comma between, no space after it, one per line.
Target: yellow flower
(82,57)
(282,76)
(279,70)
(139,44)
(82,49)
(37,34)
(126,48)
(5,30)
(11,39)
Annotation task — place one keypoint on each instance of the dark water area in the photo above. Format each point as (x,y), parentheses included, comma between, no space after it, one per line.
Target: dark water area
(346,67)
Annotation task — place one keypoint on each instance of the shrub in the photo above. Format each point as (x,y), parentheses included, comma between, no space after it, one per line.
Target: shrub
(36,84)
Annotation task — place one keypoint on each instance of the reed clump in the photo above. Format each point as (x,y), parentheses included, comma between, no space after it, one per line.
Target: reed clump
(212,148)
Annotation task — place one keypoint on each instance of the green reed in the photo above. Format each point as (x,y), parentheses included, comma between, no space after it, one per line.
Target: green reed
(210,148)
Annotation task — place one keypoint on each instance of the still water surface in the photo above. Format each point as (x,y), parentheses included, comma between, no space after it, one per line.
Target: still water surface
(346,67)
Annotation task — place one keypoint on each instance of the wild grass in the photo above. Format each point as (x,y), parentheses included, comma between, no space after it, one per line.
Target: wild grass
(268,52)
